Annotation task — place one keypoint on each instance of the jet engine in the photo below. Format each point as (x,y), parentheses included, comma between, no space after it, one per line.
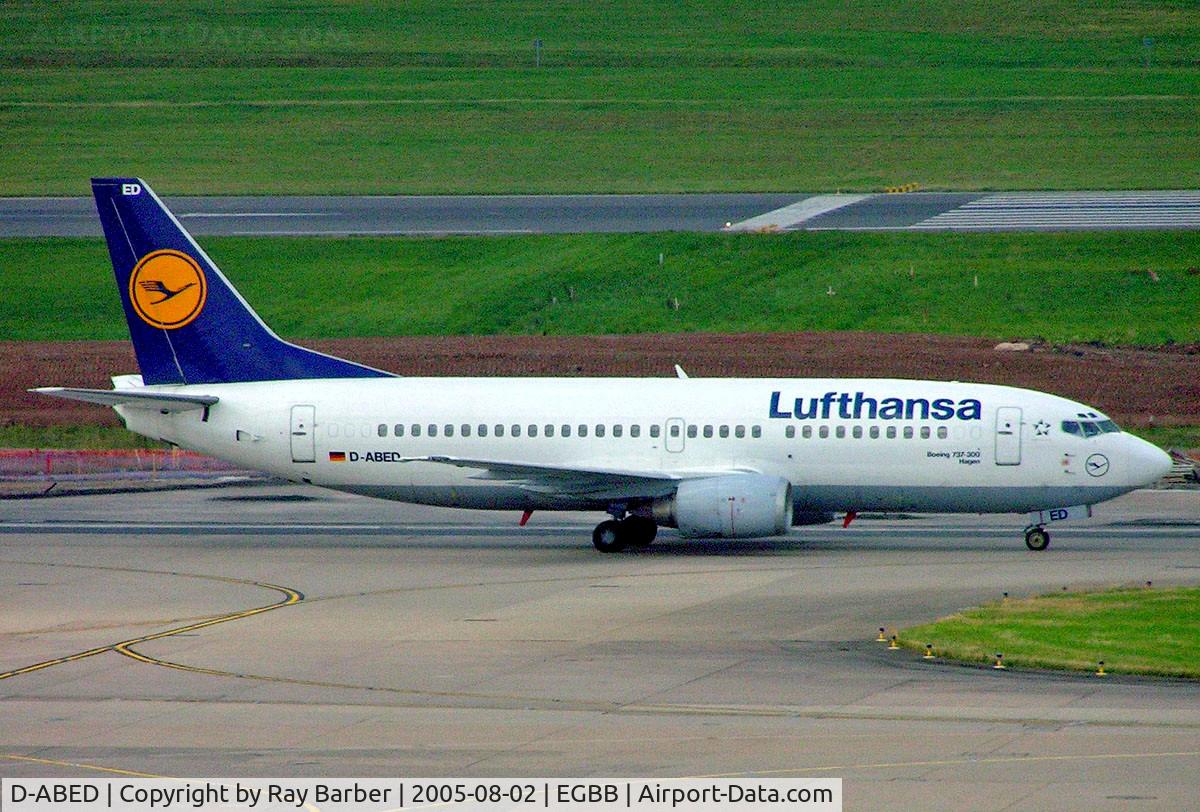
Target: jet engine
(733,506)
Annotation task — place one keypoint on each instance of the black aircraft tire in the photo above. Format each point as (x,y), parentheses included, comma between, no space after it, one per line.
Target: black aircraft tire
(609,537)
(639,531)
(1037,539)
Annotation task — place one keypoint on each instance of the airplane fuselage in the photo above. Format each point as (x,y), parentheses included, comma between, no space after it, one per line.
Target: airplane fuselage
(844,444)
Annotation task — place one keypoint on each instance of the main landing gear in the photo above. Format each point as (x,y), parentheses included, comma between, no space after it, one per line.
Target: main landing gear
(614,535)
(1037,539)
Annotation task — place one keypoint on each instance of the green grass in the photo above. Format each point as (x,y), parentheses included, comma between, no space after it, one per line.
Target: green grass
(443,97)
(1184,437)
(73,437)
(1074,287)
(1134,631)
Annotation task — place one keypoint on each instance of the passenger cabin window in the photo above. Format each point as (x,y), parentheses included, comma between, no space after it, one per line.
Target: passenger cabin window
(691,430)
(516,429)
(432,430)
(449,429)
(499,429)
(566,430)
(618,430)
(756,431)
(549,429)
(790,432)
(823,432)
(874,432)
(739,431)
(708,432)
(806,432)
(532,432)
(857,432)
(415,430)
(382,430)
(723,431)
(674,430)
(635,430)
(908,432)
(398,430)
(481,429)
(841,432)
(465,429)
(924,432)
(891,432)
(656,430)
(599,429)
(583,430)
(943,432)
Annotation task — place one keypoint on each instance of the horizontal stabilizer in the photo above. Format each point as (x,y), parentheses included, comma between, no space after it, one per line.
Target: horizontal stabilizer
(163,401)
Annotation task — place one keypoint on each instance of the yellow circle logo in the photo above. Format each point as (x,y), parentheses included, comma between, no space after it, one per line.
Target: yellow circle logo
(167,289)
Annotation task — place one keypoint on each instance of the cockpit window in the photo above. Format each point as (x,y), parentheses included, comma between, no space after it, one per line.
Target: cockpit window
(1089,428)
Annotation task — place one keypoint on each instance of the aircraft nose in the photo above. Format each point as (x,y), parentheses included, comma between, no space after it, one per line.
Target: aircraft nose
(1148,462)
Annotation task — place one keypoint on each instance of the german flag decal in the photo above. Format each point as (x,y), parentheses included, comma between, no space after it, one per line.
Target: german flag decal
(337,456)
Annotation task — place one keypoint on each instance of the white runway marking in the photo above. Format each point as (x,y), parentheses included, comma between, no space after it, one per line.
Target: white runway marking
(798,212)
(1032,210)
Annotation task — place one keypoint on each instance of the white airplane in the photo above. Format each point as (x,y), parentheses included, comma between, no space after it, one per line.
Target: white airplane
(729,458)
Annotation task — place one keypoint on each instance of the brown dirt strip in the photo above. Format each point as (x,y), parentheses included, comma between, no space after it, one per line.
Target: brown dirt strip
(1136,387)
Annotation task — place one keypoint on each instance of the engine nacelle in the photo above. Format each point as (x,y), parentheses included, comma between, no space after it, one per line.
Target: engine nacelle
(733,506)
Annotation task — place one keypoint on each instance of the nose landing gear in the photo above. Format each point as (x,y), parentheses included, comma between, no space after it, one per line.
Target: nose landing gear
(1037,539)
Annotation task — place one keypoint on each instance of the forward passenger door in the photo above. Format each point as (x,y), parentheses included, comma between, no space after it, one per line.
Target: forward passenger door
(1008,435)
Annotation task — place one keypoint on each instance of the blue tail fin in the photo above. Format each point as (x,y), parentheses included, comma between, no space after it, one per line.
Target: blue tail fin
(187,323)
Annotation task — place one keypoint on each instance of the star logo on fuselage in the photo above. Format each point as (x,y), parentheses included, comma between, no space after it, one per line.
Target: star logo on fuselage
(1041,429)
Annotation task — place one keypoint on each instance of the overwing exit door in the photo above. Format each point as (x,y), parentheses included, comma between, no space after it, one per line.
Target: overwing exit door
(674,439)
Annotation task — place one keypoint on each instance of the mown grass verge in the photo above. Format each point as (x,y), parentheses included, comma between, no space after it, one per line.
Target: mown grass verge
(1127,288)
(358,97)
(1148,631)
(80,437)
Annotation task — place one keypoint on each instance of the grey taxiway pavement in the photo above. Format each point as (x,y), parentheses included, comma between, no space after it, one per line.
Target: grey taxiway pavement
(520,214)
(280,631)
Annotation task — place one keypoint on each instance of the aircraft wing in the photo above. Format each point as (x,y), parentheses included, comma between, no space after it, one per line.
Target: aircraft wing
(606,483)
(163,401)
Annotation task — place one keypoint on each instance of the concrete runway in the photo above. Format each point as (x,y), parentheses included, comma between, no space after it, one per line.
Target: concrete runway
(407,641)
(522,214)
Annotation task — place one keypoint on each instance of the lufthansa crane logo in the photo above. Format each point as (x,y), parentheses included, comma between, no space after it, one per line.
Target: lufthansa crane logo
(1097,465)
(167,289)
